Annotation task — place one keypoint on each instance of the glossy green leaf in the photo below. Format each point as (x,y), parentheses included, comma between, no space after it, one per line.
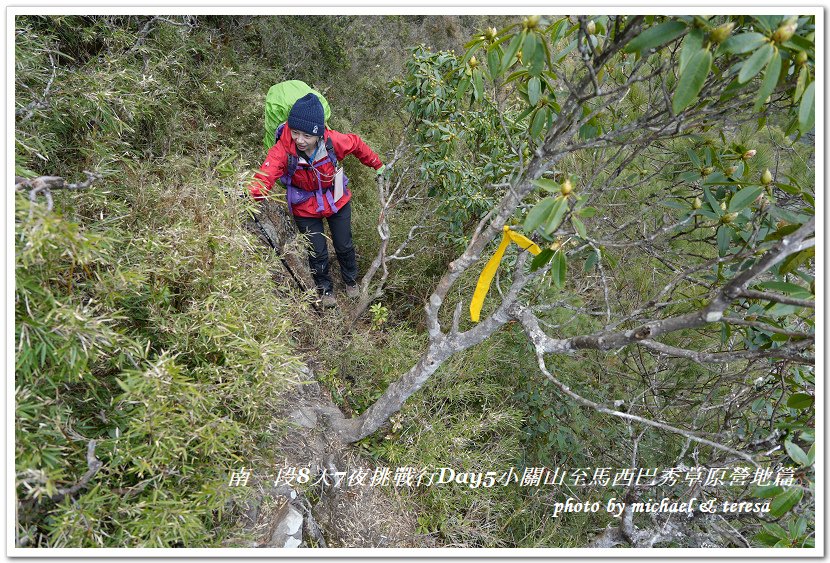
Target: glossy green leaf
(767,22)
(541,259)
(691,80)
(795,261)
(765,539)
(796,453)
(676,204)
(692,43)
(555,216)
(538,214)
(742,43)
(463,86)
(713,203)
(566,51)
(782,232)
(768,491)
(785,287)
(528,47)
(517,74)
(579,226)
(494,60)
(797,527)
(724,238)
(524,114)
(800,84)
(478,78)
(656,36)
(537,61)
(800,401)
(744,198)
(807,108)
(784,502)
(538,124)
(587,212)
(775,530)
(559,269)
(799,43)
(694,160)
(755,63)
(512,49)
(788,188)
(534,90)
(771,74)
(557,30)
(550,186)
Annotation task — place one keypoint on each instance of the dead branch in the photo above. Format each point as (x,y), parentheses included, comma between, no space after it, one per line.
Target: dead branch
(782,353)
(624,415)
(713,312)
(41,102)
(777,298)
(94,465)
(45,184)
(390,195)
(144,32)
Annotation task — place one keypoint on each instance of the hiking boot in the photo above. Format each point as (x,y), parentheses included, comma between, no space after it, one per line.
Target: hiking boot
(352,291)
(328,301)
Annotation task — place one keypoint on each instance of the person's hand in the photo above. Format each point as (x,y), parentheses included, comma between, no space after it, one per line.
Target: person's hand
(256,193)
(380,171)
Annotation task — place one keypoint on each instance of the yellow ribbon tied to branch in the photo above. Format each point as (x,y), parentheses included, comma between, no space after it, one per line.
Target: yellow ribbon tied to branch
(486,277)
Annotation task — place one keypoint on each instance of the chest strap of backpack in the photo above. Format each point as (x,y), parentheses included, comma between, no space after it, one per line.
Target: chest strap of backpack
(320,192)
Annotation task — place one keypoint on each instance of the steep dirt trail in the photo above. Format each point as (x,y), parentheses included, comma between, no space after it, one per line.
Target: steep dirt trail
(320,512)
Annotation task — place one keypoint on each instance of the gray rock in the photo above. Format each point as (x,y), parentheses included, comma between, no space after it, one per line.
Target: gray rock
(289,530)
(305,417)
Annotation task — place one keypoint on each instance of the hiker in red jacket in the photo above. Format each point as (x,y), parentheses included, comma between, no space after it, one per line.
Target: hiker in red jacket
(305,159)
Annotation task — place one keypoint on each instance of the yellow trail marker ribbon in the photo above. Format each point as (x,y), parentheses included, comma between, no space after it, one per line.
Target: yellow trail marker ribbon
(486,277)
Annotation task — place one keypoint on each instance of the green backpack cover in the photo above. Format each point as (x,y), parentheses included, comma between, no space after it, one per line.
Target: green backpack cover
(279,101)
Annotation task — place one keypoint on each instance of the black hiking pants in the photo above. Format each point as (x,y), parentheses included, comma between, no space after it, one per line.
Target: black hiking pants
(340,225)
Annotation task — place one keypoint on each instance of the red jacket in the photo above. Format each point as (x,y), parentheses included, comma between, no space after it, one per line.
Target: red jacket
(277,161)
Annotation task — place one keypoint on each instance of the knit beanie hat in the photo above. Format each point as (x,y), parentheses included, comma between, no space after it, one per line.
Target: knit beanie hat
(307,115)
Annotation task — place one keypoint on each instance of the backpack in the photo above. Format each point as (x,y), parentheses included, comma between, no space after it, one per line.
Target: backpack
(279,101)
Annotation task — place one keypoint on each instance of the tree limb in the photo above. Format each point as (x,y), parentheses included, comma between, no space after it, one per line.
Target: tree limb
(777,298)
(45,184)
(94,465)
(784,352)
(43,101)
(613,412)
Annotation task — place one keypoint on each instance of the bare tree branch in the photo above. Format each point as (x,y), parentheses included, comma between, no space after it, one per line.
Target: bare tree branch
(713,312)
(777,298)
(389,197)
(784,352)
(540,352)
(767,328)
(43,101)
(45,184)
(94,465)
